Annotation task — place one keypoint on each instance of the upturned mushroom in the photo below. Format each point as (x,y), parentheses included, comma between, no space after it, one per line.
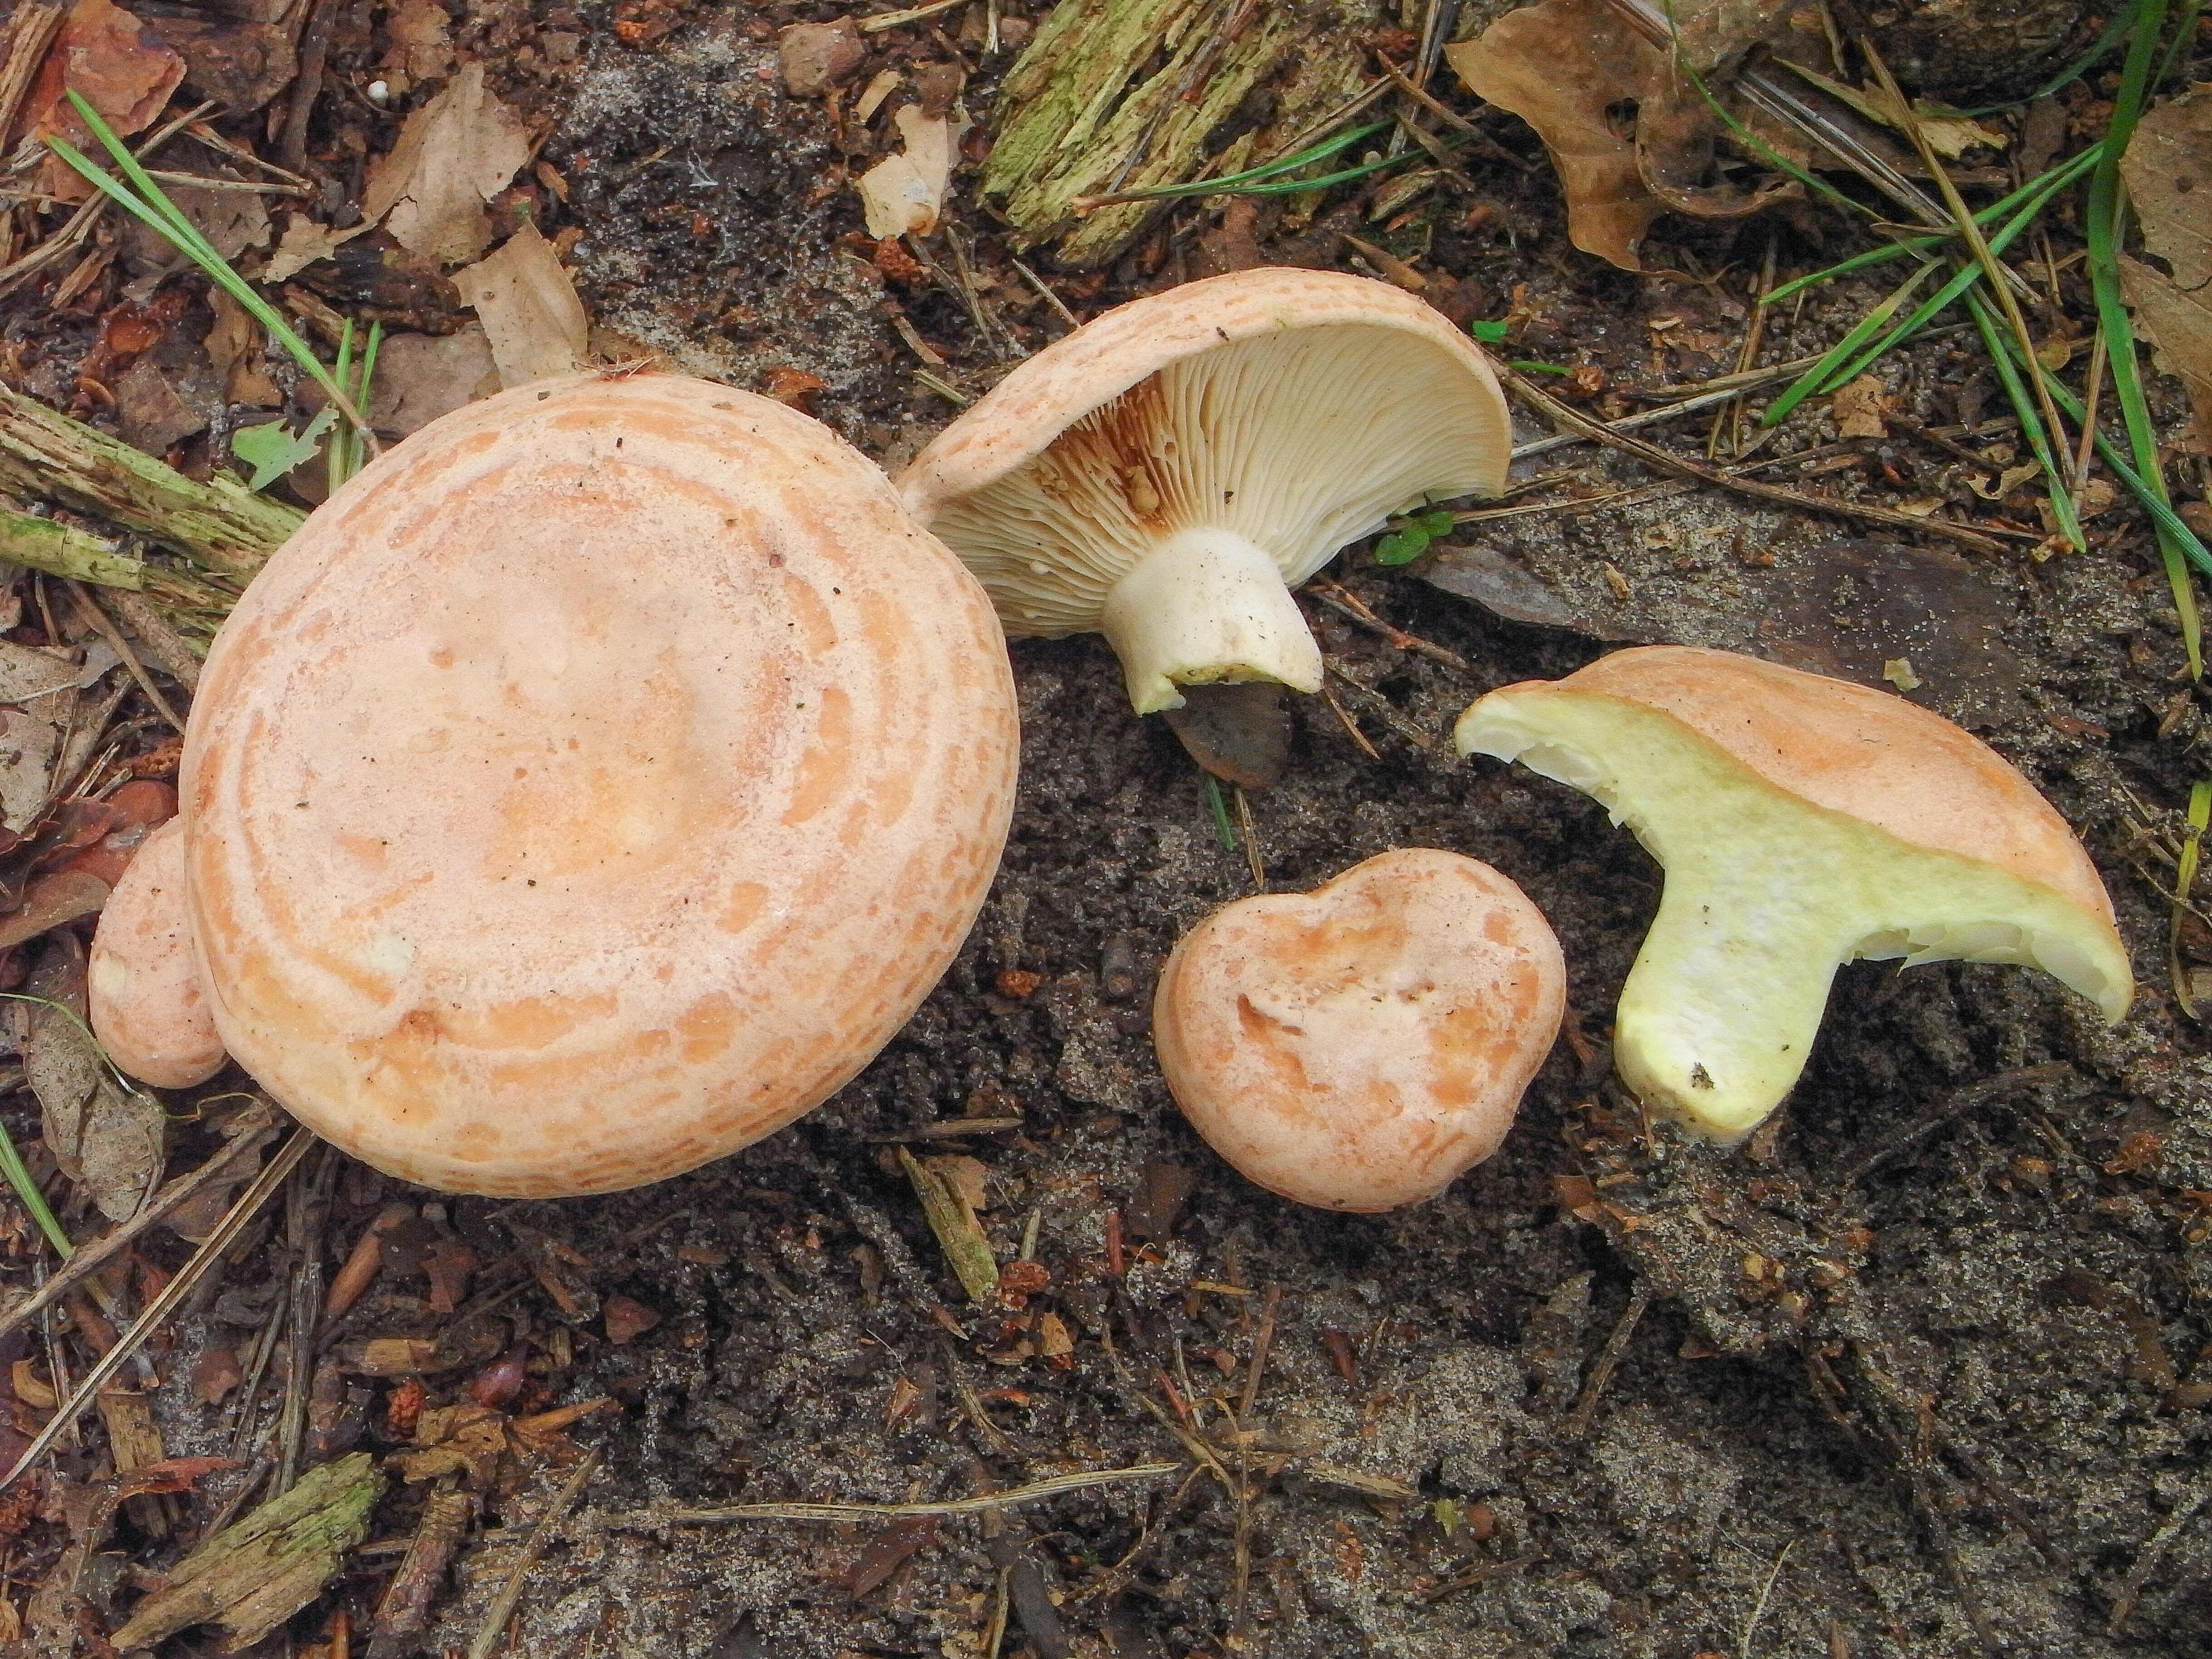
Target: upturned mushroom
(1803,823)
(1358,1046)
(1169,472)
(591,787)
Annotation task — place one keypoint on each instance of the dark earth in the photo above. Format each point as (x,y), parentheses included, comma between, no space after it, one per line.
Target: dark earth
(1921,1371)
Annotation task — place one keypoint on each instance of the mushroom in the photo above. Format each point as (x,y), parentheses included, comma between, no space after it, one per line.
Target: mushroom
(1358,1046)
(1803,823)
(142,983)
(591,787)
(1166,474)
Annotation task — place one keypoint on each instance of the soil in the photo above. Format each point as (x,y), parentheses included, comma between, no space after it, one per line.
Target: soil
(1917,1373)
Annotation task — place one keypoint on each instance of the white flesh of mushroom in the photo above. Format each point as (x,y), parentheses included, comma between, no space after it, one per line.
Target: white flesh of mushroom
(1766,893)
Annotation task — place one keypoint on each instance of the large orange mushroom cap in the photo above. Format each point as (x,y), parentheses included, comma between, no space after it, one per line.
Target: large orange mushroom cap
(593,786)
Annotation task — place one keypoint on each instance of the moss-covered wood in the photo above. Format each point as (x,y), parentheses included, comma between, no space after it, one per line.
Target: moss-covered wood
(258,1573)
(1118,95)
(220,525)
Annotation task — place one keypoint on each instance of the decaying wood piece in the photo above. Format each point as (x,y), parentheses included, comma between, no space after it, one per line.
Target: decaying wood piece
(220,525)
(255,1574)
(1080,116)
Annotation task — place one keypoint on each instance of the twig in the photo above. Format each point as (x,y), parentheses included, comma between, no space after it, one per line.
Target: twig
(2153,1551)
(251,1135)
(1351,727)
(996,1500)
(105,627)
(892,20)
(1579,1421)
(1778,495)
(1263,1340)
(1956,1105)
(1759,1607)
(1346,603)
(158,1310)
(492,1632)
(308,83)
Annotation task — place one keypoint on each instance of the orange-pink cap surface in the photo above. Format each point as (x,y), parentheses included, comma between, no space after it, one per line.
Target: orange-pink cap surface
(1356,1047)
(591,787)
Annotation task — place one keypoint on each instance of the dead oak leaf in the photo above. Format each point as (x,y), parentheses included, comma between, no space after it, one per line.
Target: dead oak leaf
(2179,321)
(1560,65)
(2168,169)
(529,309)
(1566,67)
(455,153)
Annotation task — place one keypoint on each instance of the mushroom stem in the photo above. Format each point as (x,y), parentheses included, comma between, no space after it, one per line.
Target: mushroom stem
(1766,895)
(1208,605)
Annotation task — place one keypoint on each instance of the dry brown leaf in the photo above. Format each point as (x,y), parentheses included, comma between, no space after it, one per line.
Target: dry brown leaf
(903,194)
(304,242)
(1565,66)
(2168,169)
(529,309)
(455,153)
(1859,409)
(1559,65)
(2179,321)
(106,1138)
(114,62)
(421,49)
(420,377)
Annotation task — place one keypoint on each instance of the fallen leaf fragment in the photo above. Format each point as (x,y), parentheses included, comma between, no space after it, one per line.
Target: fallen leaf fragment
(903,194)
(420,377)
(303,243)
(2168,170)
(1560,65)
(113,62)
(626,1319)
(945,1188)
(1567,66)
(258,1573)
(814,56)
(531,314)
(1857,408)
(455,153)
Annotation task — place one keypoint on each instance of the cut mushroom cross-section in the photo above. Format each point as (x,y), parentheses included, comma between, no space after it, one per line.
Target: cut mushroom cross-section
(1169,472)
(1803,823)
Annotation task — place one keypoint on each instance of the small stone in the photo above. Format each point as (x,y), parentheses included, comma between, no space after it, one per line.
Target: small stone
(626,1319)
(816,55)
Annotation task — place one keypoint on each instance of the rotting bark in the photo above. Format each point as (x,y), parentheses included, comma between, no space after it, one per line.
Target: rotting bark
(1079,116)
(220,525)
(254,1575)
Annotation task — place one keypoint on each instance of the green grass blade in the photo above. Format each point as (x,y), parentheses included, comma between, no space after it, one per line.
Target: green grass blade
(2104,226)
(1960,281)
(1864,329)
(1996,339)
(1241,183)
(19,1177)
(2043,184)
(2098,52)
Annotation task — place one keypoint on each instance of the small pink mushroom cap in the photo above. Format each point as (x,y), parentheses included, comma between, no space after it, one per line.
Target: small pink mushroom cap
(1358,1046)
(143,981)
(592,786)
